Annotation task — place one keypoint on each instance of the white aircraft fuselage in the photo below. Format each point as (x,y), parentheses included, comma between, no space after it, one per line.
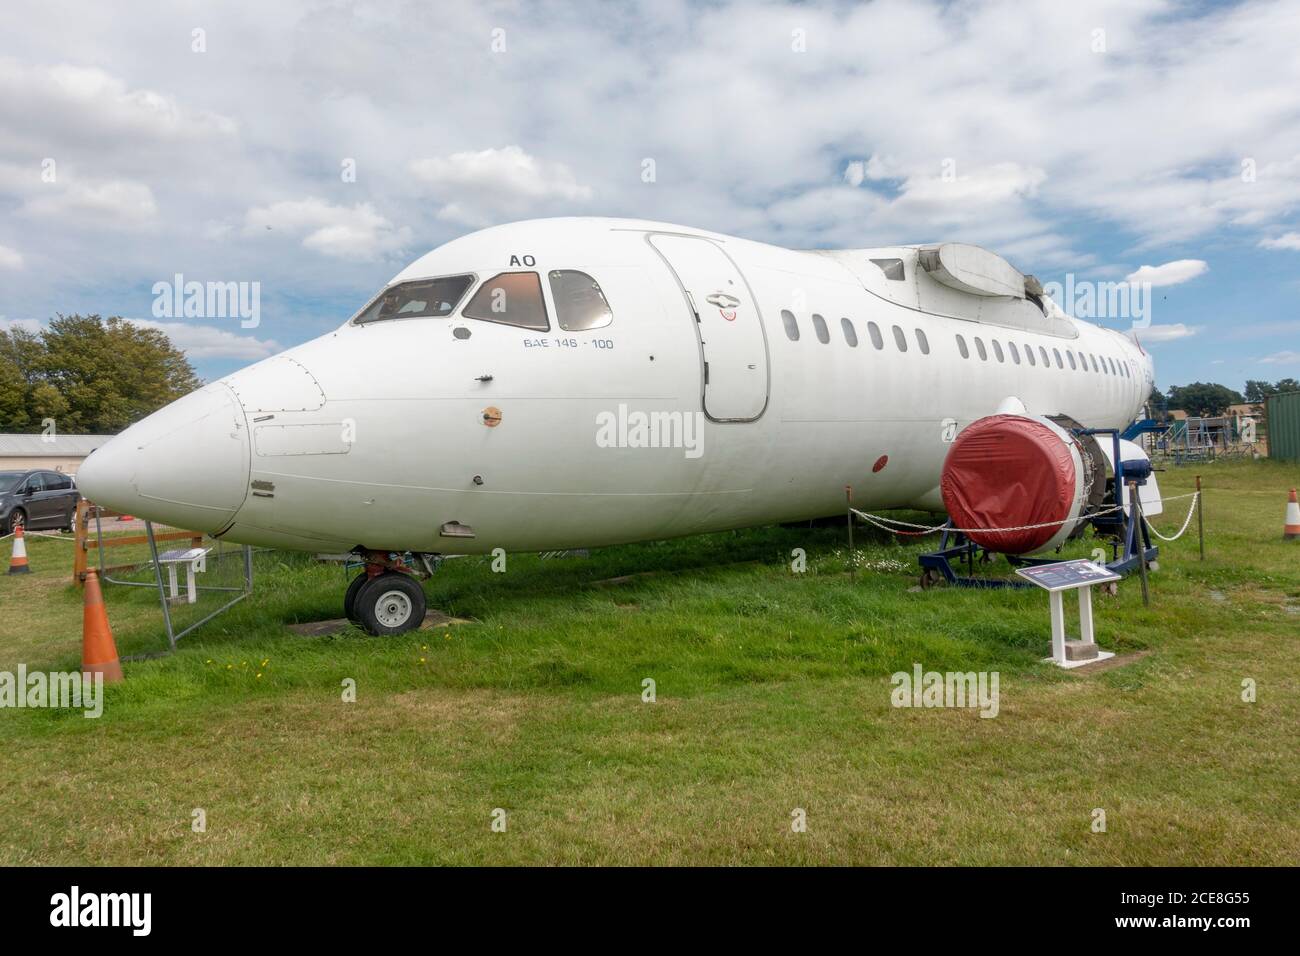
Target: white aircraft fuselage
(692,410)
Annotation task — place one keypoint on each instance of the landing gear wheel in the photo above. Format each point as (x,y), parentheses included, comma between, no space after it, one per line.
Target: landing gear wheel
(350,598)
(390,603)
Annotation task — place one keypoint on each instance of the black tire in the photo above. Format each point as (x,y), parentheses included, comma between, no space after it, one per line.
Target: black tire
(350,598)
(390,603)
(16,517)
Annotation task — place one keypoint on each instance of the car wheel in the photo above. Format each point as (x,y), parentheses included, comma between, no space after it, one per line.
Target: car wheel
(390,603)
(17,519)
(350,598)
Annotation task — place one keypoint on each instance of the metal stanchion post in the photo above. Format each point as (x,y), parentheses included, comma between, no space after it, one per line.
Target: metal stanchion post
(848,497)
(1135,505)
(1200,516)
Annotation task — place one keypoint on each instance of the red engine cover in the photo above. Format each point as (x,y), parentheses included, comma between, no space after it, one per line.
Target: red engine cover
(1005,471)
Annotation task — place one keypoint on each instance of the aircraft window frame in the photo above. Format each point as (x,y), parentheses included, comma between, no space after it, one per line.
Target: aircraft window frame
(997,350)
(877,339)
(979,347)
(358,317)
(922,341)
(791,324)
(486,284)
(961,346)
(900,338)
(850,333)
(560,318)
(820,330)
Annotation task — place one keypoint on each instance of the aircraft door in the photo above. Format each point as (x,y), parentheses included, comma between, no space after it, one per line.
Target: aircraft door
(733,346)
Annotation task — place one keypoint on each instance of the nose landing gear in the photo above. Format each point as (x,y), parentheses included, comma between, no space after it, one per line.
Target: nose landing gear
(386,599)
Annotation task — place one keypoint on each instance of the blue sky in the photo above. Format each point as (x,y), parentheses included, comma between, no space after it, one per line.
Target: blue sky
(1086,138)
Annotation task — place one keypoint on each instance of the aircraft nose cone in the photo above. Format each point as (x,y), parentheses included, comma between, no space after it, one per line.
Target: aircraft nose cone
(186,465)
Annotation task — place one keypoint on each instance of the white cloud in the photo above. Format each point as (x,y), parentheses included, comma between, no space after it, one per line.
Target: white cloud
(1168,332)
(479,187)
(1286,357)
(207,341)
(1171,273)
(355,232)
(91,102)
(10,258)
(125,203)
(1289,240)
(29,325)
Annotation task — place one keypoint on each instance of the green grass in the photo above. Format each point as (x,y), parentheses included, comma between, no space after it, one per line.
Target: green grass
(773,693)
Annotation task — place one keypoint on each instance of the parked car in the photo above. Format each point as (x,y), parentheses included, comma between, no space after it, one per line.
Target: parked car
(37,499)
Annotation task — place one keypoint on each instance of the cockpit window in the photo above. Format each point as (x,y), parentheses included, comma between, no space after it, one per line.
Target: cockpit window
(423,298)
(579,303)
(510,298)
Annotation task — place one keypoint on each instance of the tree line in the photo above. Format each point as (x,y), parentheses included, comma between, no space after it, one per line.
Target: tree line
(89,374)
(1211,399)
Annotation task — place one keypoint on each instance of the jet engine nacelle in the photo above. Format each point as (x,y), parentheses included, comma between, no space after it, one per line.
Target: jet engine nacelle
(1027,479)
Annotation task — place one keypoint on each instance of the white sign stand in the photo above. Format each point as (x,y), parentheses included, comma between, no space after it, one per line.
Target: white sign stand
(1080,575)
(195,561)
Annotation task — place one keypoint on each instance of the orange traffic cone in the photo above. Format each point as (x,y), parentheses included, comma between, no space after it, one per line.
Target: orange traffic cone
(1289,533)
(98,652)
(18,561)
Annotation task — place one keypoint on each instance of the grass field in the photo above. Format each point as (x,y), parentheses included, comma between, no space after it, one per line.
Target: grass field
(773,694)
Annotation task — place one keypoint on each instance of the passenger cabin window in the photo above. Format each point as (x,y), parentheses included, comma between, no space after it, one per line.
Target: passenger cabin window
(892,268)
(1047,363)
(1029,354)
(791,325)
(961,347)
(922,342)
(997,351)
(850,333)
(900,339)
(1056,354)
(876,338)
(1070,356)
(1015,352)
(1094,362)
(979,347)
(1083,362)
(819,326)
(579,303)
(510,298)
(423,298)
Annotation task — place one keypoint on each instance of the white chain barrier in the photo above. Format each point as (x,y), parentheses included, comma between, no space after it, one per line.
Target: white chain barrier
(1195,496)
(884,524)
